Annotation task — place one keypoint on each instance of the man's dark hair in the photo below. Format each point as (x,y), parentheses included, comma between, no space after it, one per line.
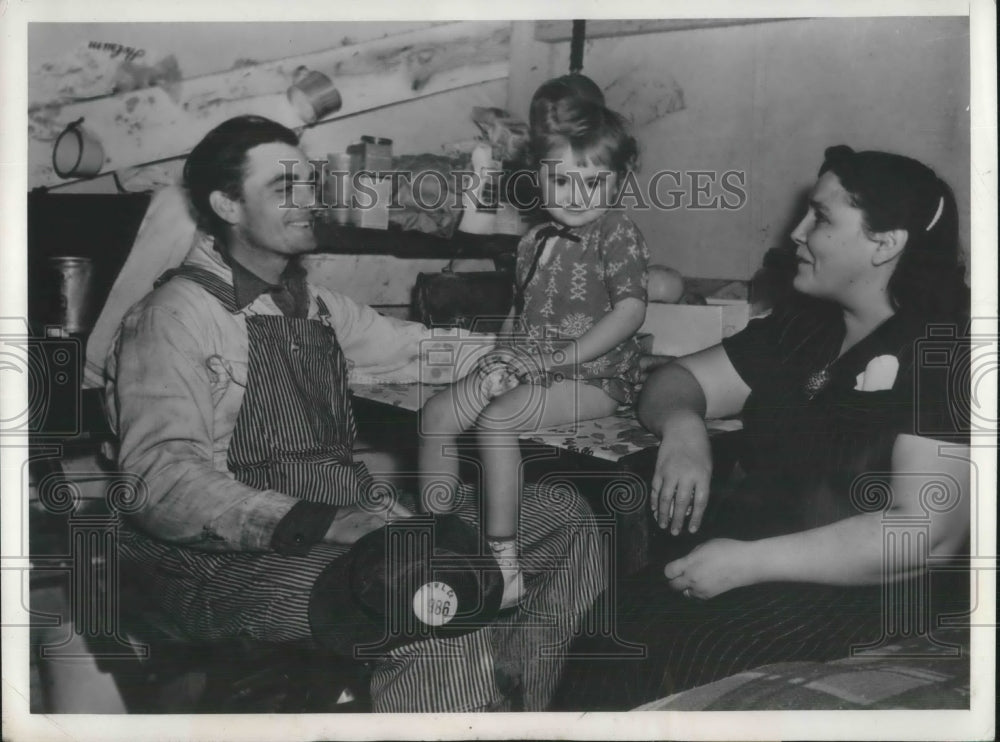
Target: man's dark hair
(217,163)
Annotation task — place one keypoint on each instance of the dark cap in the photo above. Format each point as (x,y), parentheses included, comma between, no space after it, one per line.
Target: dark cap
(416,579)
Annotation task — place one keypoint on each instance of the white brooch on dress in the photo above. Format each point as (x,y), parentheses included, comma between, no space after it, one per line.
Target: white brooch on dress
(879,374)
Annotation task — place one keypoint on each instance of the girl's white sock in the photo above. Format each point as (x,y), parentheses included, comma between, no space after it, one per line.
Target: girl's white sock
(505,552)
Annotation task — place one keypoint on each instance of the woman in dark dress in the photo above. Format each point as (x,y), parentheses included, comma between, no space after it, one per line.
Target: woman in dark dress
(855,464)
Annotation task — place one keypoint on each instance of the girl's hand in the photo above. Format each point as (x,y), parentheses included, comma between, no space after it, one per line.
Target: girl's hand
(497,381)
(683,471)
(712,568)
(527,367)
(650,362)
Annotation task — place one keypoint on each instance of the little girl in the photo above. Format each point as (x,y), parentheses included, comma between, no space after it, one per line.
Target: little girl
(580,298)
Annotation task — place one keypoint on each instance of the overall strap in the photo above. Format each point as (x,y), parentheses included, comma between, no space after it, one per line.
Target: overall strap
(214,285)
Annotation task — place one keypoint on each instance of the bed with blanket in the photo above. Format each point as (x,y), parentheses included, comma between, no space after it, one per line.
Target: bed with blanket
(909,673)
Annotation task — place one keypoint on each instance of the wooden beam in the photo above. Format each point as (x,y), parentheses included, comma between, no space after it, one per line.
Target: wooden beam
(531,65)
(153,124)
(555,31)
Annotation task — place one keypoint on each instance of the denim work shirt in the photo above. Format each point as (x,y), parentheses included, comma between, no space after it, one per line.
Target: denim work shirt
(175,380)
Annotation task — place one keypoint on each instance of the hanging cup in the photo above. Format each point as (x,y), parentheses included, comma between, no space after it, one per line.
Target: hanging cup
(77,153)
(313,95)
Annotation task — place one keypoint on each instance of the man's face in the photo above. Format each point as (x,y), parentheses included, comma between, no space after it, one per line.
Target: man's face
(272,215)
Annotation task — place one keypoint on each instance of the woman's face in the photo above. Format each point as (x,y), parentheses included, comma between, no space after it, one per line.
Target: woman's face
(834,252)
(574,194)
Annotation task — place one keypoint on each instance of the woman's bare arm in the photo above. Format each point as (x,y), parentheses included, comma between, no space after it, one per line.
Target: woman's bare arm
(851,551)
(704,382)
(674,402)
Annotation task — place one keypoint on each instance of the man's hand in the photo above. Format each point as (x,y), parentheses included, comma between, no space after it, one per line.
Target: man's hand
(353,522)
(683,472)
(712,568)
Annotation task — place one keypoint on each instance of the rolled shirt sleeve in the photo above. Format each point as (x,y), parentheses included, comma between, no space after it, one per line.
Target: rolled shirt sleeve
(381,349)
(162,399)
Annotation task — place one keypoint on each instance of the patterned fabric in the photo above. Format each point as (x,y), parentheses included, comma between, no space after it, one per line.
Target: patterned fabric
(611,438)
(910,674)
(541,236)
(575,284)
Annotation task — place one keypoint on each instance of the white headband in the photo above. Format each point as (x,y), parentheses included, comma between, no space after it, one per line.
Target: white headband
(937,214)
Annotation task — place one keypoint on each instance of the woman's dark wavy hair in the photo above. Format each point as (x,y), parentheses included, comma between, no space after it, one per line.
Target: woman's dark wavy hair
(896,192)
(591,130)
(217,163)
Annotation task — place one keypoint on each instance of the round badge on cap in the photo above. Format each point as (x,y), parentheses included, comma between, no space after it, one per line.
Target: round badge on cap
(435,603)
(420,578)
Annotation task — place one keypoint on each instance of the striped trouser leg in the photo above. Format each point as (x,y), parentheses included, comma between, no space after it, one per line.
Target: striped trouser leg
(265,596)
(438,675)
(260,595)
(564,572)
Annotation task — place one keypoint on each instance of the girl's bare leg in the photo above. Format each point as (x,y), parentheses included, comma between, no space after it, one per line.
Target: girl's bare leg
(443,418)
(523,409)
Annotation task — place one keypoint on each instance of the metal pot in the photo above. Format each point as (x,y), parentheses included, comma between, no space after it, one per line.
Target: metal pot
(73,283)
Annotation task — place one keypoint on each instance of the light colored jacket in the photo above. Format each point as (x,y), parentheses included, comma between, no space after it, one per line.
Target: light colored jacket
(175,379)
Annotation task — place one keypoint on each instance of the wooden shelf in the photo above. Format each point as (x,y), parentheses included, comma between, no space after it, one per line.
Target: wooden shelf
(339,239)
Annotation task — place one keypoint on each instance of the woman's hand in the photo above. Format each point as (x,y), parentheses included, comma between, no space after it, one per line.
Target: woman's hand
(352,522)
(712,568)
(683,473)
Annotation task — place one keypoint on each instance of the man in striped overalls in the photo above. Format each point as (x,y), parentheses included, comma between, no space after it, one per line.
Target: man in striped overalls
(227,386)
